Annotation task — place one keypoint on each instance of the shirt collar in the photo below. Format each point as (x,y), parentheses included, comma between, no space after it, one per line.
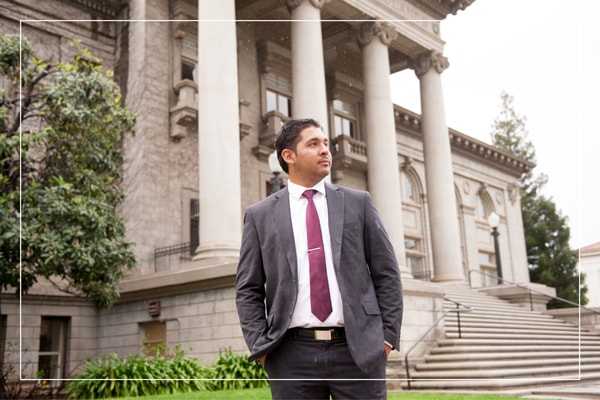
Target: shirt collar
(296,190)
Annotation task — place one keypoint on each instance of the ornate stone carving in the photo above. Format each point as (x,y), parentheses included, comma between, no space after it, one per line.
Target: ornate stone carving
(291,4)
(369,30)
(513,191)
(432,59)
(185,113)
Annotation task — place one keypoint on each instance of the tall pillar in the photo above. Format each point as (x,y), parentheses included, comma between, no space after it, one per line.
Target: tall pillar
(218,131)
(443,217)
(382,153)
(308,65)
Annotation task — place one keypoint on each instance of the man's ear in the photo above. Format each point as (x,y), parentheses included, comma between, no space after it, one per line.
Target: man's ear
(288,156)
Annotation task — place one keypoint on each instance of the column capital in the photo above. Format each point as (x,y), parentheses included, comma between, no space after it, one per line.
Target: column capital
(291,4)
(372,29)
(432,59)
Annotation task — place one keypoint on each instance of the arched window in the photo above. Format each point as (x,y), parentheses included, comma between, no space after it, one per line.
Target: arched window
(415,234)
(485,206)
(409,188)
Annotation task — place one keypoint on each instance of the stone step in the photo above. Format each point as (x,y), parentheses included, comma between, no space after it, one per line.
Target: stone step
(521,363)
(503,317)
(496,385)
(502,312)
(484,372)
(488,325)
(510,343)
(516,349)
(515,335)
(488,353)
(504,346)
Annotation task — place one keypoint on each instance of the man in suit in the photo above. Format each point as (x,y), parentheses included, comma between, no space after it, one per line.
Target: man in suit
(336,344)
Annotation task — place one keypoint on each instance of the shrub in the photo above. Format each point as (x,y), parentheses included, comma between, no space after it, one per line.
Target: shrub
(232,371)
(143,375)
(139,375)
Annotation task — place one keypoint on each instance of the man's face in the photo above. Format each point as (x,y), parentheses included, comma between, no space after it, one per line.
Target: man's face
(311,161)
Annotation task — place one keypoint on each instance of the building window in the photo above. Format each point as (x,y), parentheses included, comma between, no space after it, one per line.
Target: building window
(52,350)
(189,58)
(485,205)
(487,265)
(415,259)
(278,94)
(409,191)
(154,337)
(345,119)
(194,225)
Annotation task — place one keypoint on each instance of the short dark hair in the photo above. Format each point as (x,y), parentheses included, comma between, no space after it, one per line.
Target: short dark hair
(289,135)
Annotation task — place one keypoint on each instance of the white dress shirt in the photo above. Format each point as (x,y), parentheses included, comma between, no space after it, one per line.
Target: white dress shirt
(302,315)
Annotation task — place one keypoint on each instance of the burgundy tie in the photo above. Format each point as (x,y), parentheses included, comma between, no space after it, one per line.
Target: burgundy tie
(320,302)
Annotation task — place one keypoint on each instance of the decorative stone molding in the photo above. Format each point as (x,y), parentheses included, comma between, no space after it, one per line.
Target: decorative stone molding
(370,30)
(407,119)
(291,4)
(185,112)
(348,153)
(407,164)
(510,162)
(513,191)
(245,123)
(273,122)
(273,57)
(340,86)
(108,8)
(432,59)
(266,140)
(459,141)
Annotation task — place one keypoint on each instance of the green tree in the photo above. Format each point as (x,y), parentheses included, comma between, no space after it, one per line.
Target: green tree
(551,261)
(61,160)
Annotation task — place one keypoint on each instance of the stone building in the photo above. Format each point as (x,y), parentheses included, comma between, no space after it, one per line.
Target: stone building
(212,81)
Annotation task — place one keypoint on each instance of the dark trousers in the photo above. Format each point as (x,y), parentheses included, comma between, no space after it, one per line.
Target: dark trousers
(302,368)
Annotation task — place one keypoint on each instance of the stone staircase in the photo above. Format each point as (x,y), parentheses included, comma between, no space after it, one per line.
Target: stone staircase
(505,348)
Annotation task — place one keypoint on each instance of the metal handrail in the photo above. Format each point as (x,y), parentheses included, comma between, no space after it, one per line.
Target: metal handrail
(529,290)
(456,310)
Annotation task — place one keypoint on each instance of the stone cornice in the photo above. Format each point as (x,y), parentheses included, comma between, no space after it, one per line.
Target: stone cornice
(107,8)
(411,122)
(192,277)
(440,9)
(489,153)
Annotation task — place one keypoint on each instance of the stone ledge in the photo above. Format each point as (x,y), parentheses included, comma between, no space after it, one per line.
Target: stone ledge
(537,299)
(194,276)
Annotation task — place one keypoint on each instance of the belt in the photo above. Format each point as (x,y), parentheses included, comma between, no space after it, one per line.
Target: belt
(332,333)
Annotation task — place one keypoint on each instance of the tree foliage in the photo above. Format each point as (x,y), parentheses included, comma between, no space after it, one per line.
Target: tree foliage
(547,235)
(60,173)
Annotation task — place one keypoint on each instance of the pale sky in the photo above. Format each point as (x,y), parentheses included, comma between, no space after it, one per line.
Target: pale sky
(546,54)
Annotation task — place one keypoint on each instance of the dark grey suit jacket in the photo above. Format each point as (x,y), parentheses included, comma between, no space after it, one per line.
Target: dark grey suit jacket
(366,269)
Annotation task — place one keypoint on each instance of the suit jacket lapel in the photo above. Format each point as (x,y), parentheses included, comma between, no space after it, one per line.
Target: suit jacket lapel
(335,209)
(282,223)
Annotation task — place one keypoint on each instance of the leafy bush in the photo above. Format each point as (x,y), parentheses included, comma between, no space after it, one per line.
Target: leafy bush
(233,371)
(139,375)
(144,375)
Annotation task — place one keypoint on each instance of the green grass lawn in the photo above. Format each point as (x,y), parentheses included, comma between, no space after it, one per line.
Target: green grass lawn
(265,394)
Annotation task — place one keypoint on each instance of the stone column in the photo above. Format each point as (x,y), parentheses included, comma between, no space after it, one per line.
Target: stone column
(308,69)
(445,233)
(382,153)
(218,131)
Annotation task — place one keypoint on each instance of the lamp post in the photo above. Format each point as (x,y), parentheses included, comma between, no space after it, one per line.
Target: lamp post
(275,168)
(494,221)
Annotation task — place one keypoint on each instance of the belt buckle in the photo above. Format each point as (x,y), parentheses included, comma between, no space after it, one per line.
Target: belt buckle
(323,335)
